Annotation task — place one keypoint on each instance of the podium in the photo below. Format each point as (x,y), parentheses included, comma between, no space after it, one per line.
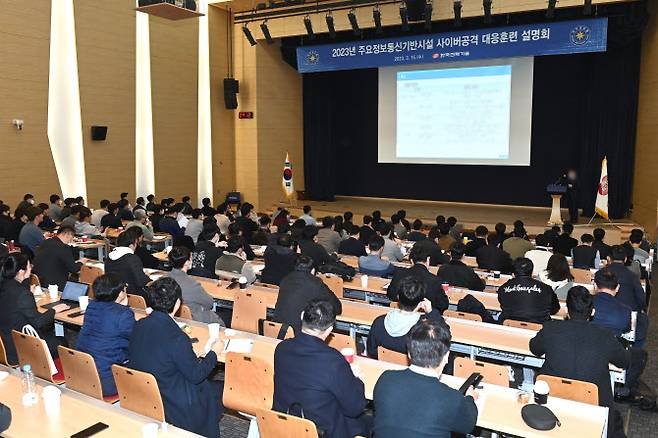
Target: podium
(556,191)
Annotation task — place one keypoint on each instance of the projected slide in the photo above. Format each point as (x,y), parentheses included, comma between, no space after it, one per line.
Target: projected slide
(454,113)
(476,113)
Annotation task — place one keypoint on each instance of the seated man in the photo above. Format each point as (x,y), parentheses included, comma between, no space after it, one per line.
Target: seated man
(297,289)
(372,264)
(525,299)
(630,292)
(516,247)
(308,216)
(352,245)
(169,224)
(54,261)
(585,256)
(280,260)
(311,248)
(414,402)
(111,219)
(316,377)
(391,330)
(576,349)
(194,295)
(128,266)
(433,285)
(233,263)
(392,250)
(446,240)
(599,244)
(327,237)
(430,245)
(31,236)
(159,347)
(107,328)
(493,258)
(83,225)
(636,238)
(481,234)
(366,231)
(456,273)
(565,243)
(415,235)
(142,221)
(207,251)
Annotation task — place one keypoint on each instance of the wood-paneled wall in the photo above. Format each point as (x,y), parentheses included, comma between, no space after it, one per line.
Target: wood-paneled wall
(645,187)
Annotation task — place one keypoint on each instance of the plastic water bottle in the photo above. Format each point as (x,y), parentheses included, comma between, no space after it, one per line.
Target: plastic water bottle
(29,386)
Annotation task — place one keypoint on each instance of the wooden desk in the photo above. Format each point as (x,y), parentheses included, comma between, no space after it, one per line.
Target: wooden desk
(97,244)
(77,412)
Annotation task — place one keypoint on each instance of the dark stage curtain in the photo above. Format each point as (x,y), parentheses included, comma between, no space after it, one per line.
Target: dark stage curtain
(584,108)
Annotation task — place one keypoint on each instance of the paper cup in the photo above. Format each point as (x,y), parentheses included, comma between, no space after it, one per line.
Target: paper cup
(445,287)
(213,331)
(150,430)
(348,354)
(541,390)
(85,239)
(364,280)
(51,399)
(84,302)
(53,291)
(243,282)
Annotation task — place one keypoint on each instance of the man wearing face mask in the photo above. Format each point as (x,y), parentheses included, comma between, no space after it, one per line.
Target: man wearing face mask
(107,327)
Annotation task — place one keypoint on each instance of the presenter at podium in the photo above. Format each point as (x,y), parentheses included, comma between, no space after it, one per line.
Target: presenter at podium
(570,180)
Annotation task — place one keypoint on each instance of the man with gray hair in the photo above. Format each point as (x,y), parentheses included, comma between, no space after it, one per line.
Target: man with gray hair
(142,221)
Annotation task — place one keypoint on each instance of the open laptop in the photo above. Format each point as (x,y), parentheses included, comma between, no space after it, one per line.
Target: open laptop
(71,295)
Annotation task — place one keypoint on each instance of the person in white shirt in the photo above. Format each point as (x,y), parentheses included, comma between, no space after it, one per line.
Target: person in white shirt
(180,217)
(558,275)
(222,219)
(97,215)
(539,259)
(307,216)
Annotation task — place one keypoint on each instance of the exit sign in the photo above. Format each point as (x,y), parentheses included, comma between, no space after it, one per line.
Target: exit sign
(245,115)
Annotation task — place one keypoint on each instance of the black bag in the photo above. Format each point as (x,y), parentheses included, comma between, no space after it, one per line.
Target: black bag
(539,417)
(338,268)
(470,304)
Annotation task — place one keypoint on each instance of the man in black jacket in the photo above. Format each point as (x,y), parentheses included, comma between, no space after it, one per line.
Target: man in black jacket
(576,349)
(433,284)
(525,299)
(366,231)
(352,245)
(54,261)
(280,260)
(311,376)
(431,246)
(585,256)
(481,233)
(565,243)
(127,265)
(297,289)
(599,244)
(456,273)
(311,248)
(493,258)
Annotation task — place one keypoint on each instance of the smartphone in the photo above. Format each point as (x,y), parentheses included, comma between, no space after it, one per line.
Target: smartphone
(91,430)
(76,314)
(473,380)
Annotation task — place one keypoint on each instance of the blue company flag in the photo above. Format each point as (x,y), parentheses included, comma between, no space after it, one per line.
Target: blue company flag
(502,42)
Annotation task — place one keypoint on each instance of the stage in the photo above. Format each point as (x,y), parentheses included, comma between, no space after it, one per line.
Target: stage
(469,215)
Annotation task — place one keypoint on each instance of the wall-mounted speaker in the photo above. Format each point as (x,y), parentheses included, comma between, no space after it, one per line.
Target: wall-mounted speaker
(98,133)
(231,90)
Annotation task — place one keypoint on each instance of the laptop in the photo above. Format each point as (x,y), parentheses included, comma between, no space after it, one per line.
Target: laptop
(71,295)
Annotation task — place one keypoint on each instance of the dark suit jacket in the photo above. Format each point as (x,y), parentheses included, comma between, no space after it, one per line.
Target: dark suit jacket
(309,372)
(630,288)
(493,258)
(416,236)
(437,257)
(279,262)
(130,269)
(5,417)
(192,402)
(584,257)
(472,246)
(611,314)
(456,273)
(564,244)
(18,308)
(54,262)
(353,247)
(111,221)
(315,251)
(582,351)
(365,233)
(296,290)
(433,285)
(169,225)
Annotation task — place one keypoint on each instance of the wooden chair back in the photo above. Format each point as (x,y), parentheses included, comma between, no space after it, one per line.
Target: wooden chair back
(88,274)
(80,372)
(492,373)
(386,355)
(248,308)
(138,392)
(136,301)
(271,329)
(522,324)
(581,275)
(248,383)
(33,351)
(339,341)
(272,424)
(462,315)
(3,355)
(576,390)
(334,283)
(184,312)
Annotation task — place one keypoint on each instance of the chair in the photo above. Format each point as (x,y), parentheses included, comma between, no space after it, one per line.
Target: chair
(273,424)
(138,392)
(136,301)
(338,341)
(271,329)
(34,351)
(522,324)
(81,374)
(34,280)
(248,308)
(3,355)
(576,390)
(491,373)
(390,356)
(88,274)
(334,283)
(462,315)
(248,383)
(583,276)
(184,312)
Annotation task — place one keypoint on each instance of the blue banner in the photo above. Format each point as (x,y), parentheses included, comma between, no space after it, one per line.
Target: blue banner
(503,42)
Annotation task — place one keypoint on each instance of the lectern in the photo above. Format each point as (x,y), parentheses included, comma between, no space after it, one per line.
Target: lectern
(556,191)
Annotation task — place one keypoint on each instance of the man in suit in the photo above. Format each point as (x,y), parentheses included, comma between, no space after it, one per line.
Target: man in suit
(280,260)
(297,289)
(493,258)
(413,402)
(565,243)
(456,273)
(159,347)
(585,256)
(327,237)
(366,231)
(373,264)
(54,261)
(311,248)
(431,246)
(352,245)
(433,284)
(525,299)
(310,375)
(577,349)
(481,233)
(599,244)
(416,234)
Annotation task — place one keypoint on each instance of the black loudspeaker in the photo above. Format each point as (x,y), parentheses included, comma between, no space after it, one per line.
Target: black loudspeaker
(98,133)
(231,90)
(416,9)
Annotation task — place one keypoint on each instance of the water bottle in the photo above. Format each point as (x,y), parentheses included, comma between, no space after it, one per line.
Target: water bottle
(29,386)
